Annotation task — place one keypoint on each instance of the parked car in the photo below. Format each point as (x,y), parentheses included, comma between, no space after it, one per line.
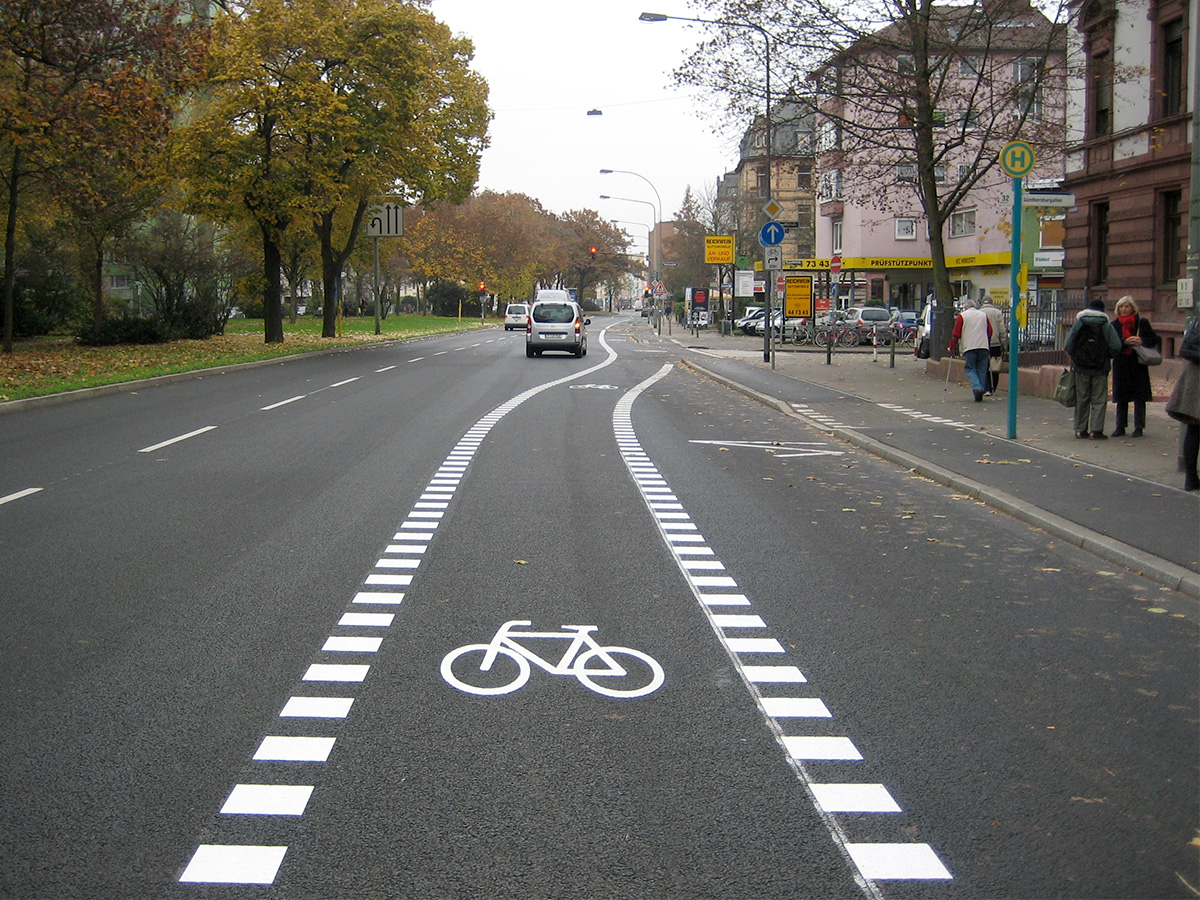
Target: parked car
(515,315)
(556,325)
(906,317)
(750,321)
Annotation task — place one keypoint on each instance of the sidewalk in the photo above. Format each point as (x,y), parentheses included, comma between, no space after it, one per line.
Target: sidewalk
(1121,498)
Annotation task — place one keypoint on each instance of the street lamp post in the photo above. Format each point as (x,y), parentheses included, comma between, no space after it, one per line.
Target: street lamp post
(655,238)
(659,17)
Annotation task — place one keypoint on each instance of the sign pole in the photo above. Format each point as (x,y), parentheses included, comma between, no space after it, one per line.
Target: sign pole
(1017,160)
(1014,343)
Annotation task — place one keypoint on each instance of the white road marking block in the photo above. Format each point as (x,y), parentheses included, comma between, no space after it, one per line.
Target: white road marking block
(754,645)
(329,672)
(294,749)
(229,864)
(795,708)
(338,644)
(267,800)
(854,798)
(897,861)
(367,620)
(317,707)
(821,748)
(378,597)
(732,621)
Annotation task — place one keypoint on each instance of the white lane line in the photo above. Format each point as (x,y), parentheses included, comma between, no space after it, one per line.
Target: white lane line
(416,359)
(236,864)
(267,800)
(347,381)
(384,369)
(317,707)
(872,861)
(18,495)
(176,440)
(282,403)
(233,864)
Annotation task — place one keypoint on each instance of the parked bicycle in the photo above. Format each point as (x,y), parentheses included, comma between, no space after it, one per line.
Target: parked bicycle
(594,666)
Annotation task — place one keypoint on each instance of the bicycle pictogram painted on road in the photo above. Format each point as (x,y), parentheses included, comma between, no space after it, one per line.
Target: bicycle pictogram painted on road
(611,671)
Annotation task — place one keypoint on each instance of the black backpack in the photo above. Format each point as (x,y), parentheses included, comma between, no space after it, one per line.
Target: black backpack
(1091,348)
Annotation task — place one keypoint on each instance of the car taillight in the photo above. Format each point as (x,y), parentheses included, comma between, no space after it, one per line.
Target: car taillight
(578,326)
(528,325)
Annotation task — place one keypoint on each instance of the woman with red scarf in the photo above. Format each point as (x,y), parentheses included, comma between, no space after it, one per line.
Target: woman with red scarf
(1130,378)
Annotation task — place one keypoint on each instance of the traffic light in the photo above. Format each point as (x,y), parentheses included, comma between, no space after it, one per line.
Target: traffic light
(592,251)
(482,286)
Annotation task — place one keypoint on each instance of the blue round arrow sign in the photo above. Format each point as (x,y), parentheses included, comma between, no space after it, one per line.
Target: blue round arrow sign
(771,235)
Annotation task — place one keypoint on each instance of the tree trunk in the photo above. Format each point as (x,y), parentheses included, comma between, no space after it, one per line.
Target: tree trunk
(272,307)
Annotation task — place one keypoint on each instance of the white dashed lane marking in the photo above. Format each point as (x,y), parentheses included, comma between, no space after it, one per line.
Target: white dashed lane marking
(252,864)
(874,861)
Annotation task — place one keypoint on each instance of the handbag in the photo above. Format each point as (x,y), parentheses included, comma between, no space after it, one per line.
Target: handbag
(1147,356)
(1064,391)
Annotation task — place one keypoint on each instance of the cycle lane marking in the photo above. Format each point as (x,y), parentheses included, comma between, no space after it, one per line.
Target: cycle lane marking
(234,863)
(872,861)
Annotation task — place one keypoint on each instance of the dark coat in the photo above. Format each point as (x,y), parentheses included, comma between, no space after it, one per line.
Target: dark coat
(1130,379)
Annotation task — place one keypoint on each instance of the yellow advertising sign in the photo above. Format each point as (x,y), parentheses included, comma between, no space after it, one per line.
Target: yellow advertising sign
(798,297)
(718,250)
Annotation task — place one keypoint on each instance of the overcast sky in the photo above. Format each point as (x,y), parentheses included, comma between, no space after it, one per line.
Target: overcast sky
(548,62)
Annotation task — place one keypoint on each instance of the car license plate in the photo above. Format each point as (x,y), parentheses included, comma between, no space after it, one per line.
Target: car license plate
(554,337)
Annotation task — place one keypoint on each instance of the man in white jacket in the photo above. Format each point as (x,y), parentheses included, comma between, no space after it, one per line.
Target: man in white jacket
(972,334)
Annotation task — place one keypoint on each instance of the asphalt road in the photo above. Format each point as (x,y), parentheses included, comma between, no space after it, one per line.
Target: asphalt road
(235,609)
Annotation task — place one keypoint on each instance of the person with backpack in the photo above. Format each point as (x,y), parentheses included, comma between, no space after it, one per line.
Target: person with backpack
(1092,343)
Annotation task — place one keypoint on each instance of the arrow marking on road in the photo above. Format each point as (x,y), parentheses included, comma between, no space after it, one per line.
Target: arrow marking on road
(782,449)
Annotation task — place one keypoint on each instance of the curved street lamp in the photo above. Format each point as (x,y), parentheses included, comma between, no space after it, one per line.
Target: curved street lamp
(655,245)
(659,17)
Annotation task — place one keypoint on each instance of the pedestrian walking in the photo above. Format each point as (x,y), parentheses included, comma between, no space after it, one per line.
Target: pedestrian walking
(1184,403)
(998,338)
(1092,343)
(973,332)
(1130,376)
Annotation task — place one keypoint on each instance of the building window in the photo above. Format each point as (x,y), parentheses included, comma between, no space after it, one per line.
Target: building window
(905,64)
(1171,71)
(968,119)
(1174,252)
(760,181)
(906,229)
(837,235)
(962,223)
(906,173)
(1027,93)
(1099,242)
(804,175)
(939,174)
(830,185)
(968,67)
(1100,77)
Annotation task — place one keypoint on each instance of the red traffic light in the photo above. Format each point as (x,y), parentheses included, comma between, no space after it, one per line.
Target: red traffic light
(592,251)
(482,286)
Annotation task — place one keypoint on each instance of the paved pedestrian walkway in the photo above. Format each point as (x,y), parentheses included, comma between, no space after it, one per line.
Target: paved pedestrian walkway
(1121,498)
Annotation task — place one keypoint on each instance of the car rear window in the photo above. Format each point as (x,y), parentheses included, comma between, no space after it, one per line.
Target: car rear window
(554,313)
(875,315)
(516,310)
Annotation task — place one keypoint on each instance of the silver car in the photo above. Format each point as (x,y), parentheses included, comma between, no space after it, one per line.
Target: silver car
(556,325)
